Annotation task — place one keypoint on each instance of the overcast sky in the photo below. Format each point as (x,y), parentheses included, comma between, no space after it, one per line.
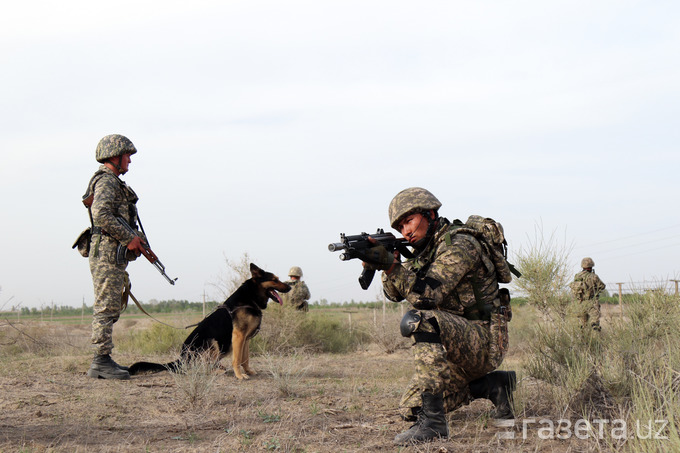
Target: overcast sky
(271,127)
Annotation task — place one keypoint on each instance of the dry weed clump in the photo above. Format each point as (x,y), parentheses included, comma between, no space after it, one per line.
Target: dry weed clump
(384,332)
(195,378)
(288,371)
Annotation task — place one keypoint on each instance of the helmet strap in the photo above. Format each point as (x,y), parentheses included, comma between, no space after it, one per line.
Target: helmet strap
(117,165)
(429,234)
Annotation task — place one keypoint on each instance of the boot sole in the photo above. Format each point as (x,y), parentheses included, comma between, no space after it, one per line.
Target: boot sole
(102,375)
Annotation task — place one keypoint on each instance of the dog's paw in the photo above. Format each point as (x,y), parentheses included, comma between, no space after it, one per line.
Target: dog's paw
(240,376)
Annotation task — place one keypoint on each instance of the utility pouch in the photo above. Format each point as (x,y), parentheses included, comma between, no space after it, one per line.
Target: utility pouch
(505,308)
(82,244)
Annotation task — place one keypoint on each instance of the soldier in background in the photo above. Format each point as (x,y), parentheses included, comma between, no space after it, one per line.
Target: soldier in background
(455,353)
(112,199)
(298,296)
(586,288)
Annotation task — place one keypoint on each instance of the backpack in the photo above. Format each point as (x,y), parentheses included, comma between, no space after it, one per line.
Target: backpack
(490,235)
(578,287)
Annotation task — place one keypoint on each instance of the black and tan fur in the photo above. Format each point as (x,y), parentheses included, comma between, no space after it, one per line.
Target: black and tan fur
(229,328)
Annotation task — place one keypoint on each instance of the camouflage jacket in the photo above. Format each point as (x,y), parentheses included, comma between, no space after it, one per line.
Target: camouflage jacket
(298,294)
(449,275)
(587,285)
(113,198)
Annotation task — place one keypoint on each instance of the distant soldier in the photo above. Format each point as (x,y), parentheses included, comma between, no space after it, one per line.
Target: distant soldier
(298,296)
(586,288)
(112,200)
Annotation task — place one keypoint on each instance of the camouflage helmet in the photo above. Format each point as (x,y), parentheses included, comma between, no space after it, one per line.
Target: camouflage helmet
(411,200)
(114,145)
(587,262)
(295,271)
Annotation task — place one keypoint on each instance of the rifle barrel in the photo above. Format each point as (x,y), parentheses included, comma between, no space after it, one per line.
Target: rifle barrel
(334,247)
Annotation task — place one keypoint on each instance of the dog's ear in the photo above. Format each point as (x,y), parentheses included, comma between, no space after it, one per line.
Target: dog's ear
(256,271)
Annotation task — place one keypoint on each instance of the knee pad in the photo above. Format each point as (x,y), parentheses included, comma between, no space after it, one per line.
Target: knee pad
(410,322)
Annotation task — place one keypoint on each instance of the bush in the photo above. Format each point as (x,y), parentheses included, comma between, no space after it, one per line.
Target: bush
(159,339)
(285,330)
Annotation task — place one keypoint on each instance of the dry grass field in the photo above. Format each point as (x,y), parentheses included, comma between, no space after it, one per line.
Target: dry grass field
(300,401)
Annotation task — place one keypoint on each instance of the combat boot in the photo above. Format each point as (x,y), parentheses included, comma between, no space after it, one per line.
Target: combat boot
(497,387)
(103,367)
(119,366)
(431,423)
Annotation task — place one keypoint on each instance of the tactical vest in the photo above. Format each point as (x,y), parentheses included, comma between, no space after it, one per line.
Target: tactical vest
(488,235)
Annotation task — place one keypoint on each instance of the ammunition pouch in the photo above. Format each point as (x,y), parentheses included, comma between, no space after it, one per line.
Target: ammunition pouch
(82,244)
(505,308)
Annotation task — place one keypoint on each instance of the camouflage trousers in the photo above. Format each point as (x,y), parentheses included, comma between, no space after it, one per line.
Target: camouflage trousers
(469,350)
(589,313)
(109,280)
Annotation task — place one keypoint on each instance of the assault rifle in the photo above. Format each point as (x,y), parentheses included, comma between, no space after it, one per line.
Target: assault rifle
(356,246)
(146,251)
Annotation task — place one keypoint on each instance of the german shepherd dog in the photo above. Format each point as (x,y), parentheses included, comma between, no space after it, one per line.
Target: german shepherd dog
(229,327)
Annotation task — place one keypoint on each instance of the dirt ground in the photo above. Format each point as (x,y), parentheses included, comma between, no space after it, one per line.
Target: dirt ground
(316,403)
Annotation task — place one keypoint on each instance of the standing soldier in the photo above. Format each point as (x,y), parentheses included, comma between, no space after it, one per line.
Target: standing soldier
(112,200)
(458,327)
(298,296)
(586,288)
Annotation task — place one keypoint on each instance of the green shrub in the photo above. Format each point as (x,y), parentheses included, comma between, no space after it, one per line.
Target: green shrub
(285,330)
(159,339)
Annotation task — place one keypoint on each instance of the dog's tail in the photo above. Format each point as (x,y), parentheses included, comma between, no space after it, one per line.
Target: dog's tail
(150,367)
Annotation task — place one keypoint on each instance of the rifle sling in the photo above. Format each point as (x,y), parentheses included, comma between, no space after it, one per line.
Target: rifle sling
(134,299)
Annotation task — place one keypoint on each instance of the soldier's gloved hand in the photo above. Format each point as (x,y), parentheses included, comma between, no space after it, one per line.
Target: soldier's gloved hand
(378,258)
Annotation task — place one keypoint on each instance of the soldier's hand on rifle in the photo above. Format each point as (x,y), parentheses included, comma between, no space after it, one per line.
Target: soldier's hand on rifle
(379,258)
(136,245)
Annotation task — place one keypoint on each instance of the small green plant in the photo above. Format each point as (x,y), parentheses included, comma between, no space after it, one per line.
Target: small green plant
(245,437)
(269,418)
(272,444)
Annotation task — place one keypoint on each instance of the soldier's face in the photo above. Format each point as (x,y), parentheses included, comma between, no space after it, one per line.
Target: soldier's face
(125,163)
(413,227)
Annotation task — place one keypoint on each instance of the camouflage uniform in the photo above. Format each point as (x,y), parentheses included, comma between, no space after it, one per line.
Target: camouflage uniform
(444,284)
(586,288)
(298,296)
(112,199)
